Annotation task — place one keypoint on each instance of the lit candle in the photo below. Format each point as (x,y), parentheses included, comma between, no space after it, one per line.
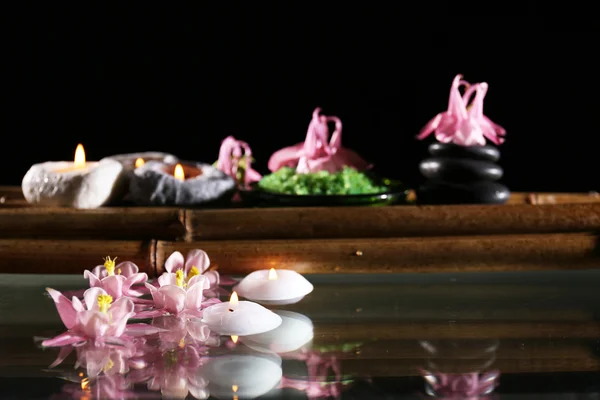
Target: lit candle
(295,332)
(182,184)
(274,287)
(239,318)
(242,376)
(78,184)
(139,162)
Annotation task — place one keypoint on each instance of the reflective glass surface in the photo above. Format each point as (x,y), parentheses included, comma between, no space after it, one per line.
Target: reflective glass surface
(525,335)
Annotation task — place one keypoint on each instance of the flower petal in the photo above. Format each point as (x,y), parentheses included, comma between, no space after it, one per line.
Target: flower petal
(77,304)
(174,298)
(93,324)
(121,309)
(201,280)
(174,262)
(198,330)
(64,339)
(197,258)
(65,308)
(62,354)
(213,278)
(93,278)
(193,295)
(286,157)
(113,285)
(127,269)
(167,278)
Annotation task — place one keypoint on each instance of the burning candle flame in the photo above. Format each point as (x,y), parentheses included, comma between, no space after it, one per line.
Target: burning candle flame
(85,384)
(272,274)
(234,339)
(233,300)
(79,156)
(179,174)
(139,162)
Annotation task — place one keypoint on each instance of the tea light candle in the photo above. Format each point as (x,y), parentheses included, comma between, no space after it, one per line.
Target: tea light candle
(242,376)
(274,287)
(296,331)
(77,184)
(132,161)
(182,184)
(239,318)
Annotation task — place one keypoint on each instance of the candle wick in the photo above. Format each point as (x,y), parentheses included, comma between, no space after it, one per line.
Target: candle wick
(230,310)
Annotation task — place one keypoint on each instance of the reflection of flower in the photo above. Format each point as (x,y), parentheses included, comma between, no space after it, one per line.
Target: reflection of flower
(103,387)
(117,281)
(318,153)
(100,319)
(233,163)
(174,373)
(462,125)
(460,386)
(179,331)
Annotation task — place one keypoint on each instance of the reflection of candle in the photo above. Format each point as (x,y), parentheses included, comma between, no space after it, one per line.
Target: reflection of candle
(245,376)
(280,286)
(181,184)
(295,332)
(77,184)
(238,318)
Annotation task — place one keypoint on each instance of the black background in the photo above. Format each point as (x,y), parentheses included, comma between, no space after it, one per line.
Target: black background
(180,80)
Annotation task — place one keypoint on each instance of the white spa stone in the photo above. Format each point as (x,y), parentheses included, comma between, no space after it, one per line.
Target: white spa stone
(296,331)
(128,160)
(59,184)
(151,185)
(246,376)
(288,287)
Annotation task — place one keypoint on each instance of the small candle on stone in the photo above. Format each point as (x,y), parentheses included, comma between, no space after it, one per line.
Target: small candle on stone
(182,184)
(274,287)
(239,318)
(78,184)
(132,161)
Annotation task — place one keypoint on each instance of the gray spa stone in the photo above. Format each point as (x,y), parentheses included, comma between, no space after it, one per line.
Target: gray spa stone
(97,184)
(128,160)
(151,185)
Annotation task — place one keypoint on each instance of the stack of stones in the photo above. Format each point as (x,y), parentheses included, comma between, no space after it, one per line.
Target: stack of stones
(462,175)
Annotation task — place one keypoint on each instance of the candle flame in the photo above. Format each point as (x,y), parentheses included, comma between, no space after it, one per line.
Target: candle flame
(179,174)
(85,384)
(234,339)
(233,300)
(234,388)
(272,274)
(79,156)
(139,162)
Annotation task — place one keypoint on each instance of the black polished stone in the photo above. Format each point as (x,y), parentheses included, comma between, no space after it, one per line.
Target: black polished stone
(460,169)
(481,192)
(451,150)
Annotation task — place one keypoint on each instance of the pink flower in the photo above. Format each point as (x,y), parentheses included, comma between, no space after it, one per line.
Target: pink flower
(461,386)
(97,319)
(117,281)
(318,152)
(196,263)
(461,124)
(235,164)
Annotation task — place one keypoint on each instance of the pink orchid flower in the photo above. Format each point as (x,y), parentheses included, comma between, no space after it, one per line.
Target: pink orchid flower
(118,281)
(97,319)
(461,386)
(464,124)
(318,152)
(235,159)
(196,263)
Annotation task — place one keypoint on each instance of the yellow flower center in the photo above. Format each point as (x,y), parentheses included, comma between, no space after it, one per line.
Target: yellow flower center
(179,278)
(109,265)
(109,365)
(104,302)
(193,272)
(182,343)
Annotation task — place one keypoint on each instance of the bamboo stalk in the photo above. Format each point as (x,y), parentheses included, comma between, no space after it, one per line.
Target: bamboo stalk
(70,256)
(138,223)
(435,254)
(393,221)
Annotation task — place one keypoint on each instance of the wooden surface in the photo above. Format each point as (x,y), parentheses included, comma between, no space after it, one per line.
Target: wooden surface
(536,231)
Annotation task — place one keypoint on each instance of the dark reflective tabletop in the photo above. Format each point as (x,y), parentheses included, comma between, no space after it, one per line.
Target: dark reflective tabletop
(486,335)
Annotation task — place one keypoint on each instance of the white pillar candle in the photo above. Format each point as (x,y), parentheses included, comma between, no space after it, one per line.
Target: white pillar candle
(274,287)
(239,318)
(243,376)
(77,184)
(296,331)
(183,184)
